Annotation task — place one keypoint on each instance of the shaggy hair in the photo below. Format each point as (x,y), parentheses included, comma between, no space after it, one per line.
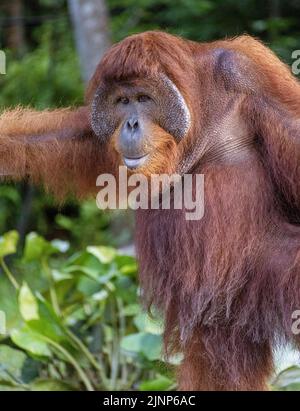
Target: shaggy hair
(228,283)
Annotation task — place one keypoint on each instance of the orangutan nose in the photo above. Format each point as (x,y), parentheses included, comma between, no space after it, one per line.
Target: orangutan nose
(132,124)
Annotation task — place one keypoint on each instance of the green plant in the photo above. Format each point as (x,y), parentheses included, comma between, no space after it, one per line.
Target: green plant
(75,319)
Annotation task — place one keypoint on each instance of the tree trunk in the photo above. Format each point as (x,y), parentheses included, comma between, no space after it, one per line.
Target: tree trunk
(16,30)
(90,20)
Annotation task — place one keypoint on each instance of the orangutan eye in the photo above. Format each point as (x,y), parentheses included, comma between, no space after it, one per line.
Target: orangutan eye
(143,98)
(123,100)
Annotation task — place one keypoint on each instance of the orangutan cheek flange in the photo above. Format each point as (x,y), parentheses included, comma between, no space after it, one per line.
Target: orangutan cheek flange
(103,117)
(175,116)
(171,113)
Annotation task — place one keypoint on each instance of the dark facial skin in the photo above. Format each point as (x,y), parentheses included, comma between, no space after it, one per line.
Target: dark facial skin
(134,109)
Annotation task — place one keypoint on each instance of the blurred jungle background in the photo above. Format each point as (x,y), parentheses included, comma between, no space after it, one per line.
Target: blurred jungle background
(68,277)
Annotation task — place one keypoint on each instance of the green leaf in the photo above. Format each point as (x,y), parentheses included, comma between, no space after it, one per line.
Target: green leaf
(100,296)
(147,324)
(51,385)
(64,222)
(152,346)
(30,341)
(27,304)
(104,254)
(129,269)
(161,383)
(10,386)
(48,324)
(85,263)
(36,247)
(9,305)
(60,245)
(126,289)
(133,343)
(132,309)
(11,363)
(101,275)
(148,345)
(87,286)
(126,264)
(8,243)
(89,272)
(288,380)
(60,276)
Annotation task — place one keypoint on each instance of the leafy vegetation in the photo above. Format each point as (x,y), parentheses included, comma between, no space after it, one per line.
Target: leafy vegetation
(74,321)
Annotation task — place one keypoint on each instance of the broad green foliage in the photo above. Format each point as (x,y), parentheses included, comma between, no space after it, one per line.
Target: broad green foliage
(288,380)
(47,76)
(82,325)
(8,243)
(211,19)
